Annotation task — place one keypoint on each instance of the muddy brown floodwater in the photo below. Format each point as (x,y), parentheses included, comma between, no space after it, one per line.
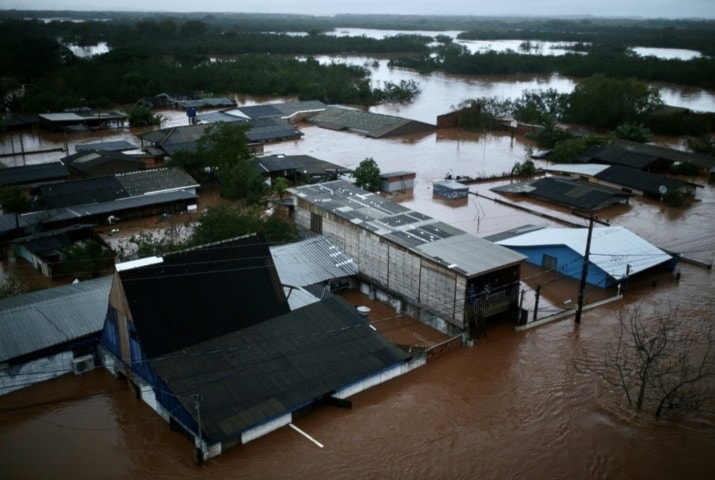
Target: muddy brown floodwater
(515,405)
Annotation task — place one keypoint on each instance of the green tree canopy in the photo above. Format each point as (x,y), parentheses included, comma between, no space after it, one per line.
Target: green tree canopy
(367,175)
(222,222)
(605,102)
(222,155)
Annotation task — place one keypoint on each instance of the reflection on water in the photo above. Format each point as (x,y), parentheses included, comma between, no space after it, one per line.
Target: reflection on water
(513,406)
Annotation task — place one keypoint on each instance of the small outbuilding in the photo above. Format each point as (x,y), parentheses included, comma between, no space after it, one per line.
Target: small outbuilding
(51,332)
(400,181)
(450,189)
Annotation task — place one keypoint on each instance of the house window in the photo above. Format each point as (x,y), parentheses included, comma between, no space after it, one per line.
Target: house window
(549,262)
(316,223)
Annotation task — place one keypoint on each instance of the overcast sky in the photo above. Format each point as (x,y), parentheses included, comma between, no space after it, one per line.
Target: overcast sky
(611,8)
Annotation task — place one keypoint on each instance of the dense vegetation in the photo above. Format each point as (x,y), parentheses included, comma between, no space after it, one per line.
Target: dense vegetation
(273,55)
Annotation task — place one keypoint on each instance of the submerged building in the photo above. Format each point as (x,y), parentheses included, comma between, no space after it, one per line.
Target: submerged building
(444,276)
(207,338)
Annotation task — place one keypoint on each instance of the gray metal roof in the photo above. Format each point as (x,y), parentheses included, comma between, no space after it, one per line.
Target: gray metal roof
(374,125)
(115,146)
(427,237)
(34,321)
(115,206)
(275,163)
(33,173)
(567,191)
(282,110)
(206,102)
(252,375)
(311,261)
(161,180)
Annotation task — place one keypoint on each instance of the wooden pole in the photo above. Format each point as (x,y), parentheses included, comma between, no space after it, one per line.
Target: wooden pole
(584,271)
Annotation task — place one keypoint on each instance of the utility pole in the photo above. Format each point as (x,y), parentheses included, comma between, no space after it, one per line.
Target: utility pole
(584,270)
(200,453)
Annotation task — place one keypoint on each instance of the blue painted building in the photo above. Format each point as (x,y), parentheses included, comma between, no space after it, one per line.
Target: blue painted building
(615,252)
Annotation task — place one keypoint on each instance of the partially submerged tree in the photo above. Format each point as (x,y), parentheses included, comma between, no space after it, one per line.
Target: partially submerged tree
(605,102)
(11,286)
(222,222)
(660,362)
(13,201)
(142,116)
(367,175)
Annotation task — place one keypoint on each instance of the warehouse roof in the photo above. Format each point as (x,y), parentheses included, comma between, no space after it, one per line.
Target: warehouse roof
(28,174)
(233,284)
(259,372)
(374,125)
(442,243)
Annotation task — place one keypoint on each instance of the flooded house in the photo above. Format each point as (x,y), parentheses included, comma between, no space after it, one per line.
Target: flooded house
(370,124)
(51,332)
(568,192)
(54,253)
(107,199)
(209,339)
(615,253)
(627,179)
(444,276)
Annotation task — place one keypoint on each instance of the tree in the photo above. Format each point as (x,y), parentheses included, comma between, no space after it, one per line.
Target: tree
(13,201)
(142,116)
(633,132)
(222,222)
(222,155)
(605,102)
(87,259)
(550,133)
(566,151)
(11,286)
(367,175)
(660,362)
(525,169)
(280,185)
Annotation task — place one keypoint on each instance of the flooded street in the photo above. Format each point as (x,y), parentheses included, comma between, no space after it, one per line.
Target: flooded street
(515,405)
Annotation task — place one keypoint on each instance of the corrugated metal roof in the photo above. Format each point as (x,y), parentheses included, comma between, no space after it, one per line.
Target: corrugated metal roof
(146,182)
(282,110)
(81,192)
(613,249)
(472,255)
(45,318)
(311,261)
(33,173)
(374,125)
(648,183)
(570,192)
(276,366)
(588,169)
(115,146)
(115,206)
(231,284)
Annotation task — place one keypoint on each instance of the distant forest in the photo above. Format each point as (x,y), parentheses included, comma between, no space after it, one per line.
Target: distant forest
(269,54)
